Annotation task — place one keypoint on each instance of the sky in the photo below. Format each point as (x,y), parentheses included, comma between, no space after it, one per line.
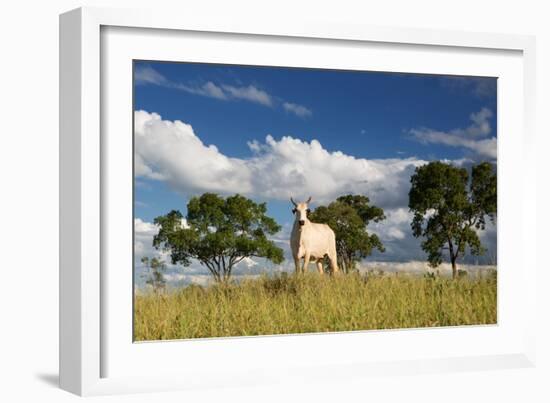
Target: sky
(270,133)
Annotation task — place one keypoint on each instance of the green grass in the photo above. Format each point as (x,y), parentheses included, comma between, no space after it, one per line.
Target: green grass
(286,304)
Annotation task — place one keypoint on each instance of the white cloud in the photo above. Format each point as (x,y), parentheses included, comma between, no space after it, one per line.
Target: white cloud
(481,87)
(144,228)
(395,226)
(249,93)
(298,110)
(480,127)
(473,137)
(208,89)
(254,146)
(396,236)
(144,233)
(419,267)
(143,239)
(277,169)
(247,263)
(170,151)
(147,75)
(225,92)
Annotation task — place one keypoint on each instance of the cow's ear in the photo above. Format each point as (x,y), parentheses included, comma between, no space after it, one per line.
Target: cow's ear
(308,211)
(293,211)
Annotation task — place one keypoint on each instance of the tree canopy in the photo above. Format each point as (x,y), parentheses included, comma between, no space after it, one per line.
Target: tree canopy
(449,206)
(348,217)
(219,233)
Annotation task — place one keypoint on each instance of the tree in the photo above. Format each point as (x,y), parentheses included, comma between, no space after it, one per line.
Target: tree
(348,217)
(449,207)
(219,233)
(156,269)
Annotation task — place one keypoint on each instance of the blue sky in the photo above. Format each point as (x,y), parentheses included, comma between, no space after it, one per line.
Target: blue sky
(260,126)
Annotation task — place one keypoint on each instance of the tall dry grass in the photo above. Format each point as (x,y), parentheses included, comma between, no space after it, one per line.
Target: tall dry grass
(286,304)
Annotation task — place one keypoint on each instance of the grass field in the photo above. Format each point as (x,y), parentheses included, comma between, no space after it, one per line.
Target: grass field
(310,303)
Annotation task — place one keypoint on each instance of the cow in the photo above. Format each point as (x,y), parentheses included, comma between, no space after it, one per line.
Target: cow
(311,241)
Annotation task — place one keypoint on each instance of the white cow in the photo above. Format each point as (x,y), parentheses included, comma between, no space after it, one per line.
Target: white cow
(311,241)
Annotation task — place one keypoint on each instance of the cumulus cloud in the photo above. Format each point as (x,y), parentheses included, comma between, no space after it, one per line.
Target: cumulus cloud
(394,227)
(170,151)
(143,237)
(474,137)
(396,236)
(298,110)
(277,169)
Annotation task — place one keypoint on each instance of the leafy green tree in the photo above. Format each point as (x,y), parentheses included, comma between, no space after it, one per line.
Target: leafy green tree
(348,217)
(156,268)
(449,207)
(220,232)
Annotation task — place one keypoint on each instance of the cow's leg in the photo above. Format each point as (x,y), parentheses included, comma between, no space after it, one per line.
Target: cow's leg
(320,266)
(333,263)
(297,264)
(306,261)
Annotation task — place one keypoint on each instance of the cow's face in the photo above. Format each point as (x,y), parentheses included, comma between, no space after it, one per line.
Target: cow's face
(301,211)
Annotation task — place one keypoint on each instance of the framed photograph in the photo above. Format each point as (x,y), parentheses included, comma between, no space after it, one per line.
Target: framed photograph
(275,202)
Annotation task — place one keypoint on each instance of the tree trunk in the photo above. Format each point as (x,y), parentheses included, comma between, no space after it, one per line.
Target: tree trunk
(453,257)
(341,261)
(347,268)
(453,264)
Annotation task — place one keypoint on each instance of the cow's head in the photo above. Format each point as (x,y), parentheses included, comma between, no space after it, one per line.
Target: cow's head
(301,211)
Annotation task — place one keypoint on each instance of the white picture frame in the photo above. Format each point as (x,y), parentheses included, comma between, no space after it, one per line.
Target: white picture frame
(90,338)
